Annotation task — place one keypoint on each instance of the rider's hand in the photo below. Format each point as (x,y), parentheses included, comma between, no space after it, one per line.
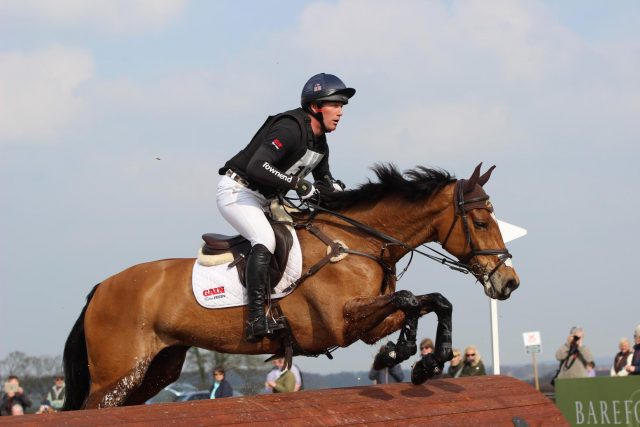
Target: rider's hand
(338,185)
(305,189)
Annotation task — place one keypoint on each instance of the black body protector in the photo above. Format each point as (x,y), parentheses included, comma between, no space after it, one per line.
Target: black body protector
(279,156)
(281,153)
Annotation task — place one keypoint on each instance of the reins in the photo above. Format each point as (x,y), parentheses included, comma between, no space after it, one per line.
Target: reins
(460,266)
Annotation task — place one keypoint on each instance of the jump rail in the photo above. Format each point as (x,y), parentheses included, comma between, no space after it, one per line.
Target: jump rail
(489,400)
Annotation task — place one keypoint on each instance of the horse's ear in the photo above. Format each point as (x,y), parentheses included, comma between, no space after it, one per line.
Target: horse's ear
(470,184)
(485,177)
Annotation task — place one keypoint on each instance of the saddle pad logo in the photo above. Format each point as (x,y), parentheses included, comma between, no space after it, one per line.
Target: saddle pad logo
(276,143)
(213,293)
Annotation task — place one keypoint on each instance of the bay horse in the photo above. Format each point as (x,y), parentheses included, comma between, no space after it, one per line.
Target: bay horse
(132,335)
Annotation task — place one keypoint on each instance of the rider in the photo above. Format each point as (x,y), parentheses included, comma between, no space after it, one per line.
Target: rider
(285,149)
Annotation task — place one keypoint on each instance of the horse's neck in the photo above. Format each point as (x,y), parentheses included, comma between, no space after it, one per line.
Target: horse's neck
(411,223)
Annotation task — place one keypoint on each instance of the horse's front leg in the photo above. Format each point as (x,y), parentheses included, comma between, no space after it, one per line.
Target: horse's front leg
(372,318)
(364,315)
(433,363)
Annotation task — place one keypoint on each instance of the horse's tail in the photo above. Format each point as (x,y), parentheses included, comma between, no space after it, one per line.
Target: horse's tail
(76,363)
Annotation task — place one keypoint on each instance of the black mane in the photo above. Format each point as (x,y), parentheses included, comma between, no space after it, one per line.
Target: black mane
(413,185)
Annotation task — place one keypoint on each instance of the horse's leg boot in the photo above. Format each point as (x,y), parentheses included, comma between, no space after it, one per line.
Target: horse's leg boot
(424,369)
(257,278)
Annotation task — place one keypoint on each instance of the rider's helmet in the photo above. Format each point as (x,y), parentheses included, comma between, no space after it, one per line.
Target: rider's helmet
(325,87)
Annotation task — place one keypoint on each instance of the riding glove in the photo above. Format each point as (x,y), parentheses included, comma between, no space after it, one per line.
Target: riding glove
(305,189)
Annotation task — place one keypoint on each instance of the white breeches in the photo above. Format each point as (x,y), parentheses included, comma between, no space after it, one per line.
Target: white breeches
(244,210)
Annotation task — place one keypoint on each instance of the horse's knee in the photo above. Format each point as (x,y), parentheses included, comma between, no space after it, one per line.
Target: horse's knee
(441,305)
(405,300)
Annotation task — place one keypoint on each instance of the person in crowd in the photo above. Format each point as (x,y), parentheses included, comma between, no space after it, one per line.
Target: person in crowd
(14,399)
(386,375)
(455,365)
(634,367)
(275,373)
(56,393)
(591,369)
(622,359)
(17,409)
(286,381)
(472,365)
(286,148)
(573,355)
(221,387)
(426,347)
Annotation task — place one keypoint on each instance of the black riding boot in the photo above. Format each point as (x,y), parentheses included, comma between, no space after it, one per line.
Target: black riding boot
(257,277)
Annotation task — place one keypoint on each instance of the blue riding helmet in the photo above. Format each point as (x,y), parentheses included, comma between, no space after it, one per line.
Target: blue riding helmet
(325,87)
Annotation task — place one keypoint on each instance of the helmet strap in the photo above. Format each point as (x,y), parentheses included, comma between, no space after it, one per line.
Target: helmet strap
(318,116)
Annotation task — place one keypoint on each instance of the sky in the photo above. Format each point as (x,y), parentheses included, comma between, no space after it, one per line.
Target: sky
(91,93)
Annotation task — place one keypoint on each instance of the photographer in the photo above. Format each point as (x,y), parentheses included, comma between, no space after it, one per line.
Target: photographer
(573,356)
(14,400)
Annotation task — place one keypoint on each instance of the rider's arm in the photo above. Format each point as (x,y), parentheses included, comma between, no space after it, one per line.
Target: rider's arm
(282,139)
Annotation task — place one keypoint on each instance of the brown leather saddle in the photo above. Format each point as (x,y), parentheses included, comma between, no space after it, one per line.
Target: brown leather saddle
(239,247)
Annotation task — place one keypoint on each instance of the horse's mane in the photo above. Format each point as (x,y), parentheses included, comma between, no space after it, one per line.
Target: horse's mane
(413,185)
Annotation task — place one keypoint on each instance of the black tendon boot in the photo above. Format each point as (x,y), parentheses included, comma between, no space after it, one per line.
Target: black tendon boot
(257,277)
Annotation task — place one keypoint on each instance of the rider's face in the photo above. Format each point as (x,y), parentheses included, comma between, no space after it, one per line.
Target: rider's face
(331,113)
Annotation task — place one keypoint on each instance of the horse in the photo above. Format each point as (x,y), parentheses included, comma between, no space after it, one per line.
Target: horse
(132,335)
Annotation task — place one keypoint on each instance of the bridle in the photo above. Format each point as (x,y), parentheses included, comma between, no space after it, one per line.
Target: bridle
(478,200)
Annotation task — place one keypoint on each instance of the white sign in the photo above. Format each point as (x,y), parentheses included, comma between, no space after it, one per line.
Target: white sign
(531,338)
(510,232)
(532,342)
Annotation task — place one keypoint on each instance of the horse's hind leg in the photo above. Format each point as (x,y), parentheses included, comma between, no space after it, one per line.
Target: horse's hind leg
(114,383)
(164,369)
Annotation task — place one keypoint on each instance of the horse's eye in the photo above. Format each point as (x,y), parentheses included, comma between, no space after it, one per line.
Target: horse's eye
(480,225)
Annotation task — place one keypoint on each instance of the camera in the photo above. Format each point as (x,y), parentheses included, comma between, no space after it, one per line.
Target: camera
(576,338)
(10,387)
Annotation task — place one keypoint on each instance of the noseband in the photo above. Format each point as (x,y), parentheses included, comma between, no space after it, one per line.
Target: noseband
(477,199)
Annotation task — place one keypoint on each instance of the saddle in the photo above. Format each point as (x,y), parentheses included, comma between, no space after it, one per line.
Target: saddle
(239,247)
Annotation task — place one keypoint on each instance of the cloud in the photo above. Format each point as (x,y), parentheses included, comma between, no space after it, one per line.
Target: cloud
(113,16)
(439,129)
(39,91)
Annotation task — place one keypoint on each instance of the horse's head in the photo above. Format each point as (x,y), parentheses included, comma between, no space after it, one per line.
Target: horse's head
(473,236)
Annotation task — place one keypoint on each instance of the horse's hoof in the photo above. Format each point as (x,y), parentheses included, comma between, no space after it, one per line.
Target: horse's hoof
(386,357)
(426,368)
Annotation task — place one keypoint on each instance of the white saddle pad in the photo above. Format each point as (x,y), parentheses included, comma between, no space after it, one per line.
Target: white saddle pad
(219,286)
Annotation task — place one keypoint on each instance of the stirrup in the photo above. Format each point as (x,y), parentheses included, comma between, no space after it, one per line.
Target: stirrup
(262,327)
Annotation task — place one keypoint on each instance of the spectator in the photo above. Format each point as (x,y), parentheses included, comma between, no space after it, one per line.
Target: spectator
(221,387)
(56,393)
(455,366)
(591,369)
(426,347)
(13,397)
(275,373)
(622,359)
(383,376)
(634,367)
(17,409)
(285,382)
(573,355)
(472,366)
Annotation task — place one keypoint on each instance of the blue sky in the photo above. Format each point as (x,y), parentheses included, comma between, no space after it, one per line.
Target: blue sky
(92,92)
